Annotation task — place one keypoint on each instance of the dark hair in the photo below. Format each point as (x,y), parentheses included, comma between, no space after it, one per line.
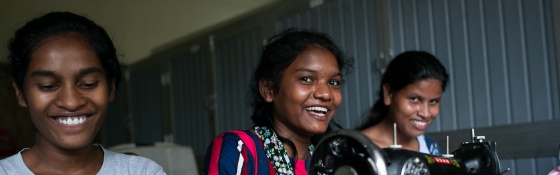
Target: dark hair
(29,37)
(277,55)
(406,68)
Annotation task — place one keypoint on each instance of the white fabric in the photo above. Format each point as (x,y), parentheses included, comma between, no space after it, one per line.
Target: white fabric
(175,159)
(422,147)
(113,163)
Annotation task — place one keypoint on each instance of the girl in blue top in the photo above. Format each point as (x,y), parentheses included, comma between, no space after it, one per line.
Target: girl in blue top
(411,89)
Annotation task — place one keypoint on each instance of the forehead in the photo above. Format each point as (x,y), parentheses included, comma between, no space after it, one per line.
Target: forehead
(315,57)
(428,87)
(62,53)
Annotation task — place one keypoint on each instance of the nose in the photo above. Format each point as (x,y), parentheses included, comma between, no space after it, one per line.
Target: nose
(322,92)
(70,98)
(424,110)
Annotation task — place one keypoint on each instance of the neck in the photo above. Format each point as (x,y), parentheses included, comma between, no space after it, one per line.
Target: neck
(300,141)
(402,139)
(45,158)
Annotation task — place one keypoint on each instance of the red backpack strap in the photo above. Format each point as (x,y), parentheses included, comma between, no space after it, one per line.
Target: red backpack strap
(250,143)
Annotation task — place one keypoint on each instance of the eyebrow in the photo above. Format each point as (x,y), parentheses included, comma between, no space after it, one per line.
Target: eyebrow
(313,71)
(425,98)
(305,70)
(47,73)
(90,71)
(42,73)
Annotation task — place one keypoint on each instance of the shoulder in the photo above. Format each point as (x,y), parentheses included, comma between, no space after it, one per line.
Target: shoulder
(234,141)
(236,137)
(372,134)
(234,152)
(432,145)
(14,165)
(118,163)
(429,141)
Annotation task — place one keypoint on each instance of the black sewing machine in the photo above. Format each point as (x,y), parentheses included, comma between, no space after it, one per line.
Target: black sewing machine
(349,152)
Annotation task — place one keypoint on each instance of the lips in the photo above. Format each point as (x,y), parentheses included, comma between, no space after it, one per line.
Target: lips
(420,125)
(317,111)
(71,120)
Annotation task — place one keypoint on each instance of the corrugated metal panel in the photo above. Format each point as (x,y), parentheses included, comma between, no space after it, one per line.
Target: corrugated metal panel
(116,125)
(527,166)
(497,54)
(146,98)
(352,26)
(543,164)
(190,96)
(236,58)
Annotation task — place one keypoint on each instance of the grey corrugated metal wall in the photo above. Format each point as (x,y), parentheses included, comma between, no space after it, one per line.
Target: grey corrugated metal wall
(190,93)
(113,132)
(146,99)
(236,58)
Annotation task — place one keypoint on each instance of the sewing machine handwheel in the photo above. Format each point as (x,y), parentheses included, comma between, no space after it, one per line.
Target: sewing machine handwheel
(347,152)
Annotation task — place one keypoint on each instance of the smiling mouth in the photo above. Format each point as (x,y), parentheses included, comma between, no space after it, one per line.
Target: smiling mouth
(419,123)
(69,121)
(319,111)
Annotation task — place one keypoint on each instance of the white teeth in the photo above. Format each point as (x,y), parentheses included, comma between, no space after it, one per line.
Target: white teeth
(71,120)
(322,109)
(420,123)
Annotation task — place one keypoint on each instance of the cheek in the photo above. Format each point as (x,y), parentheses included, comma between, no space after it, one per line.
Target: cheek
(36,100)
(408,108)
(101,100)
(337,96)
(434,110)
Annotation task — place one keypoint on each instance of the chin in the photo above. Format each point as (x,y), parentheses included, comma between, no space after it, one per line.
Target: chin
(318,130)
(75,144)
(416,134)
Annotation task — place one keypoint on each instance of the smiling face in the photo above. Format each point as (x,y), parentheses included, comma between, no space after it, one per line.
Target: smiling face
(309,93)
(415,106)
(66,92)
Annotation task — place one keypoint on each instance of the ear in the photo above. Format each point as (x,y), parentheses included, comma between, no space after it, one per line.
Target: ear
(20,96)
(113,92)
(387,95)
(266,91)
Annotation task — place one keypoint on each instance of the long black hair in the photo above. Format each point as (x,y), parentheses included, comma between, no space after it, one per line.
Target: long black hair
(406,68)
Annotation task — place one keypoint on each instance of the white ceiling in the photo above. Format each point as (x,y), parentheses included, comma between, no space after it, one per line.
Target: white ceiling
(137,27)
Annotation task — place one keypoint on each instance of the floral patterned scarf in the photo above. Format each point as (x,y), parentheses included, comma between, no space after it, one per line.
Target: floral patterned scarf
(275,151)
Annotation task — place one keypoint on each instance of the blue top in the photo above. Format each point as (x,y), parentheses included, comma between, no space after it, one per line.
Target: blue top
(428,145)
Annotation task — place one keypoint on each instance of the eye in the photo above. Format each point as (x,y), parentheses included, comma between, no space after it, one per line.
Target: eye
(414,99)
(47,87)
(306,79)
(435,101)
(88,85)
(335,82)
